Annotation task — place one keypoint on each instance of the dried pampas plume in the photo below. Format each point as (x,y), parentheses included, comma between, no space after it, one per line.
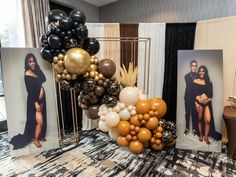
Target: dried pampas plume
(128,78)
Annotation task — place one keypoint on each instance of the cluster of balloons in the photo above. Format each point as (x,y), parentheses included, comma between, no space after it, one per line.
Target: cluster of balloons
(65,32)
(99,87)
(137,122)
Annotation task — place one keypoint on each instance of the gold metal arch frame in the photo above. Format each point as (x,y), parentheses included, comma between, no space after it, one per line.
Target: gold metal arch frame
(72,138)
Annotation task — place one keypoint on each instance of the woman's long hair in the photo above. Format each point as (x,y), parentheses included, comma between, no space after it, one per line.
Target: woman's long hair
(206,76)
(37,71)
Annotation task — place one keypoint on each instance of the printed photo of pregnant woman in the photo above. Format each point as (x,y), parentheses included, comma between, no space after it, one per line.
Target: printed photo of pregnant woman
(30,101)
(200,100)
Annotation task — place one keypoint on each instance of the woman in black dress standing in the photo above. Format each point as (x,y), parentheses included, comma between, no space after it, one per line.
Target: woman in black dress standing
(202,90)
(36,122)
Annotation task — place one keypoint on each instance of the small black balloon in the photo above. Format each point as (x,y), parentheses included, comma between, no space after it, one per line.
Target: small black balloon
(65,23)
(109,100)
(70,43)
(46,54)
(54,41)
(81,32)
(43,38)
(91,45)
(114,89)
(89,85)
(77,16)
(55,15)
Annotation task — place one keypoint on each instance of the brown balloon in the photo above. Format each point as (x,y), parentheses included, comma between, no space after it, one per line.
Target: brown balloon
(152,123)
(123,127)
(77,61)
(122,141)
(93,99)
(144,135)
(136,147)
(92,111)
(142,107)
(107,67)
(99,91)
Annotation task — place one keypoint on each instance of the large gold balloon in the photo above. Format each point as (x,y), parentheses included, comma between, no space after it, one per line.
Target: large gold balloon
(160,106)
(77,61)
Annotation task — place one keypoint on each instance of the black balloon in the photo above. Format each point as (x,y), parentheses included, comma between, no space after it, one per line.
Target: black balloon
(81,32)
(70,43)
(109,100)
(167,137)
(77,17)
(54,41)
(92,111)
(114,89)
(55,15)
(91,45)
(46,54)
(89,85)
(65,23)
(43,38)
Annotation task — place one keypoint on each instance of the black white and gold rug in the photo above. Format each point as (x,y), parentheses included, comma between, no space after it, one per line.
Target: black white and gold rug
(96,155)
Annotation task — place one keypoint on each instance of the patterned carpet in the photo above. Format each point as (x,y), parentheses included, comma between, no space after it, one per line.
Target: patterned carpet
(97,155)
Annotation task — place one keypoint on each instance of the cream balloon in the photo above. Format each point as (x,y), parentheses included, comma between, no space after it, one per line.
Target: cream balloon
(124,114)
(77,61)
(102,108)
(112,119)
(113,133)
(103,126)
(129,96)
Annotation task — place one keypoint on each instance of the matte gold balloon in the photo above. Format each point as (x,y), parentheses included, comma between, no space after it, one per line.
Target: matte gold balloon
(134,120)
(160,106)
(96,78)
(100,76)
(122,141)
(136,147)
(86,74)
(60,56)
(123,127)
(55,59)
(144,135)
(63,76)
(77,61)
(158,147)
(152,123)
(142,107)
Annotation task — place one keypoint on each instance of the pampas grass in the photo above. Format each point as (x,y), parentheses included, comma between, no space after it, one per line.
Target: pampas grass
(128,78)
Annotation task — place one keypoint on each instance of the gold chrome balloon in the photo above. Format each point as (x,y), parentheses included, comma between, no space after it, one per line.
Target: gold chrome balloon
(96,61)
(96,78)
(86,74)
(68,77)
(60,56)
(77,61)
(92,74)
(92,60)
(74,76)
(60,63)
(100,76)
(58,77)
(55,59)
(65,71)
(63,76)
(58,69)
(93,67)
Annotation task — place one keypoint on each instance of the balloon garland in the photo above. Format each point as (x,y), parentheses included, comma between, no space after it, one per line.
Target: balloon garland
(124,111)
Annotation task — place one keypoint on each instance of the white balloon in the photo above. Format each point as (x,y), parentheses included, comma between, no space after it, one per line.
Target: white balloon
(103,126)
(116,109)
(102,108)
(103,118)
(124,114)
(100,114)
(129,96)
(113,133)
(112,119)
(122,106)
(143,96)
(109,109)
(133,112)
(131,108)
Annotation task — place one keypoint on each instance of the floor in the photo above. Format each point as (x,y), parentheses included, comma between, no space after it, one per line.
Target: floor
(96,155)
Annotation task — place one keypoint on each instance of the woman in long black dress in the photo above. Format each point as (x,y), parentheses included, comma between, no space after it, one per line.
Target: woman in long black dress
(202,90)
(36,122)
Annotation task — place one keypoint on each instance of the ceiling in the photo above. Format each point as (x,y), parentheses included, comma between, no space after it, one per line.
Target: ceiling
(100,3)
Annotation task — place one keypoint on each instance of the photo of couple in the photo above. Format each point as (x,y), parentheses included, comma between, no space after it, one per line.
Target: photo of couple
(198,98)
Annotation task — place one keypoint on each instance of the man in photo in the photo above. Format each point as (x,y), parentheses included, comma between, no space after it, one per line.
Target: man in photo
(189,99)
